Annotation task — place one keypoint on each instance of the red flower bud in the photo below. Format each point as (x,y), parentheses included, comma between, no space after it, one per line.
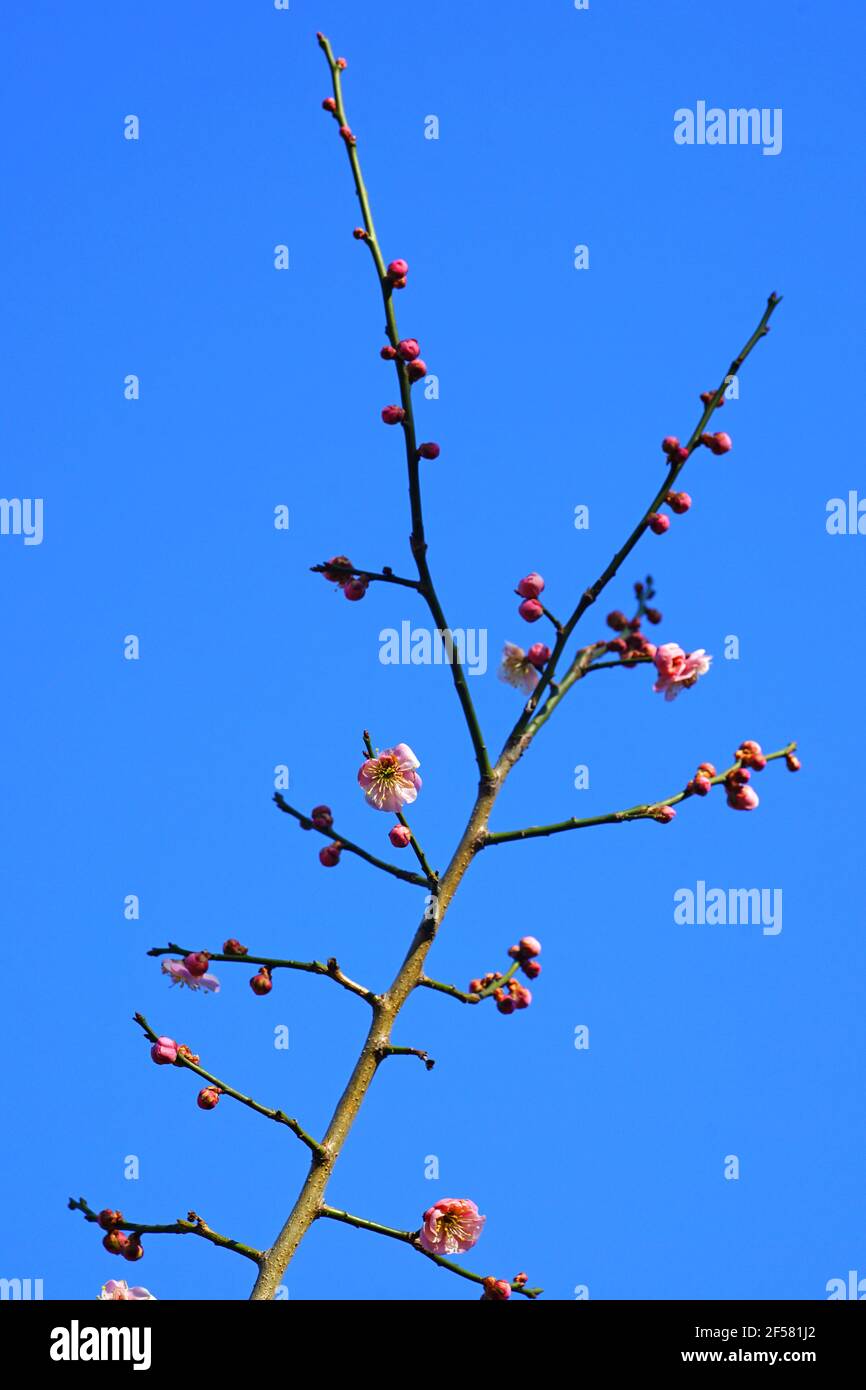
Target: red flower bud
(355,589)
(653,615)
(538,654)
(530,610)
(329,104)
(208,1098)
(197,962)
(792,762)
(108,1219)
(261,983)
(115,1242)
(659,523)
(233,947)
(416,370)
(344,562)
(495,1290)
(678,502)
(616,620)
(164,1051)
(428,450)
(398,269)
(133,1249)
(393,414)
(346,132)
(388,353)
(322,817)
(530,946)
(531,969)
(341,64)
(359,234)
(330,855)
(670,443)
(530,586)
(400,836)
(409,349)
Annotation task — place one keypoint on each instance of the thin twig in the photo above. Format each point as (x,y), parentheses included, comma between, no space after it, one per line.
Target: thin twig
(278,1115)
(411,1238)
(193,1226)
(328,968)
(350,845)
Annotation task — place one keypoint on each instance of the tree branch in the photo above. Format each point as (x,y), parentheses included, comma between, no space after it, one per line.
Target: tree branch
(193,1226)
(646,811)
(418,540)
(411,1238)
(278,1115)
(331,834)
(385,576)
(328,968)
(675,467)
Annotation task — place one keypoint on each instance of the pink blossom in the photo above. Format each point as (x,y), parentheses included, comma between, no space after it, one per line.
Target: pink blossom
(181,975)
(451,1226)
(518,669)
(390,780)
(118,1289)
(677,671)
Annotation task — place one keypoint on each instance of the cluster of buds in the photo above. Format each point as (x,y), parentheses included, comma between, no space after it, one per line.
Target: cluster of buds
(261,983)
(676,452)
(329,104)
(321,817)
(750,758)
(717,443)
(233,947)
(339,571)
(707,396)
(511,994)
(409,351)
(630,643)
(659,522)
(530,609)
(702,782)
(117,1242)
(397,273)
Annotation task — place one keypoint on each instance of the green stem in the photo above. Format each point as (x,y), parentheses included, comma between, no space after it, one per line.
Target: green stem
(194,1226)
(350,845)
(278,1115)
(411,1238)
(645,811)
(329,968)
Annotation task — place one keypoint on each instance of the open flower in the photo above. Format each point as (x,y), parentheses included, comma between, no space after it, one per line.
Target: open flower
(517,669)
(451,1225)
(180,975)
(390,780)
(677,670)
(118,1289)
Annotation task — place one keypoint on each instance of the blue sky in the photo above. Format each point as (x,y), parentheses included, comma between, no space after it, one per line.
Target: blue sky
(155,257)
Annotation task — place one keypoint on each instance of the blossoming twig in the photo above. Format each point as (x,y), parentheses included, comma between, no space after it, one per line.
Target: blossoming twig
(418,539)
(432,876)
(385,576)
(405,874)
(676,463)
(411,1238)
(281,1118)
(193,1226)
(646,811)
(328,968)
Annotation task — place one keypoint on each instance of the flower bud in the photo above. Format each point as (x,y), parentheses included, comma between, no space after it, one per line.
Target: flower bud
(388,353)
(530,946)
(409,349)
(346,132)
(521,996)
(233,947)
(792,762)
(616,620)
(355,589)
(334,576)
(261,983)
(164,1051)
(504,1002)
(359,234)
(530,586)
(495,1290)
(115,1242)
(530,610)
(208,1098)
(108,1219)
(659,523)
(678,502)
(330,855)
(398,270)
(669,443)
(393,414)
(321,817)
(653,616)
(531,969)
(133,1249)
(742,798)
(538,654)
(400,836)
(416,370)
(428,450)
(197,962)
(329,104)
